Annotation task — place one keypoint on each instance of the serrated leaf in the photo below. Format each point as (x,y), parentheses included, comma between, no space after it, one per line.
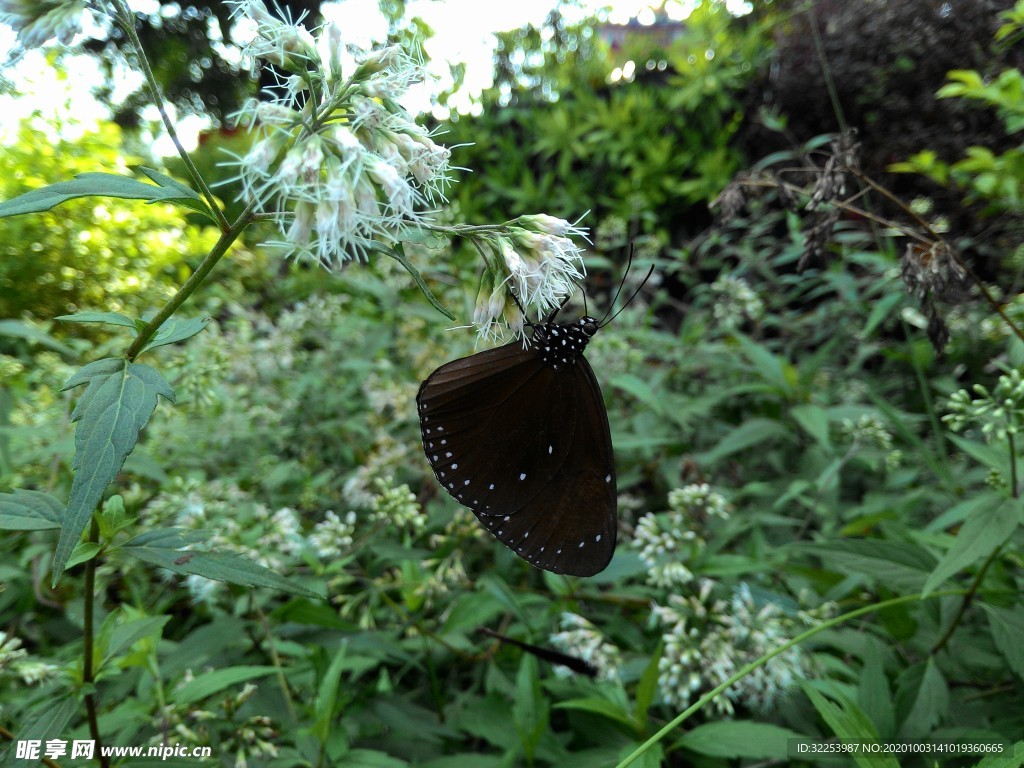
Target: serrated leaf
(898,565)
(108,318)
(117,403)
(218,566)
(986,529)
(97,185)
(849,722)
(46,720)
(175,330)
(398,254)
(215,682)
(740,739)
(1007,630)
(23,510)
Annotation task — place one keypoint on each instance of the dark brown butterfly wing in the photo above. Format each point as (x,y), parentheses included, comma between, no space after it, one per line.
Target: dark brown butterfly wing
(527,447)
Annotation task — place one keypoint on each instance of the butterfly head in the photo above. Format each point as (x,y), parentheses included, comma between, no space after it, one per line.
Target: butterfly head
(560,344)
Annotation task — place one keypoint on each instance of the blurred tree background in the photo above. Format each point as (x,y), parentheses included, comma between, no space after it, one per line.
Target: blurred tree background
(775,400)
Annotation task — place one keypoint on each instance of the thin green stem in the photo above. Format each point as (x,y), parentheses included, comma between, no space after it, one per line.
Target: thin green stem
(703,700)
(966,602)
(88,646)
(1014,491)
(980,576)
(190,286)
(833,94)
(126,19)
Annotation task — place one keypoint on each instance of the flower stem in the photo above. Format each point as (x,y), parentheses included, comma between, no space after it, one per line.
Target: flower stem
(190,286)
(88,630)
(126,19)
(707,697)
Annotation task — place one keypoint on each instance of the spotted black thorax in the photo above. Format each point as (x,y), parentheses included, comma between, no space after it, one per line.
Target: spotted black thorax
(560,344)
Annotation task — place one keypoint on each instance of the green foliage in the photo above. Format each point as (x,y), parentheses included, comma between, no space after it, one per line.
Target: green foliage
(647,151)
(87,253)
(785,449)
(994,178)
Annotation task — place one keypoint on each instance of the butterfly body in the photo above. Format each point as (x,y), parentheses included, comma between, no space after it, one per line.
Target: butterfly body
(519,434)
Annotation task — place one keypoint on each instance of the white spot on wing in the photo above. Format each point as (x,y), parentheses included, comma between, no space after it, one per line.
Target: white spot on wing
(522,475)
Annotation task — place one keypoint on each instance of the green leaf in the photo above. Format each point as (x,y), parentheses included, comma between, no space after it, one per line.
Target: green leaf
(642,391)
(102,185)
(602,707)
(923,698)
(398,254)
(740,739)
(215,682)
(175,330)
(179,193)
(425,237)
(772,368)
(369,758)
(529,710)
(29,511)
(163,549)
(649,758)
(108,318)
(986,529)
(117,403)
(46,720)
(19,330)
(880,311)
(849,722)
(874,695)
(1011,758)
(814,421)
(750,433)
(129,631)
(985,454)
(1007,630)
(327,696)
(647,688)
(897,565)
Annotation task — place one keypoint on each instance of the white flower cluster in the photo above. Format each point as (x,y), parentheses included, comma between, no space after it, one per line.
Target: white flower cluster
(707,641)
(37,21)
(582,639)
(397,506)
(333,535)
(341,165)
(15,659)
(735,302)
(869,430)
(533,263)
(668,541)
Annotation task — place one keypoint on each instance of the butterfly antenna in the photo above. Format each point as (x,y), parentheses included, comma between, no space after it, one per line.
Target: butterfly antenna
(629,263)
(605,320)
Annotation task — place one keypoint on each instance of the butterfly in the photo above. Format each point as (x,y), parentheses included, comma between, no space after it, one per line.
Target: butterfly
(520,435)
